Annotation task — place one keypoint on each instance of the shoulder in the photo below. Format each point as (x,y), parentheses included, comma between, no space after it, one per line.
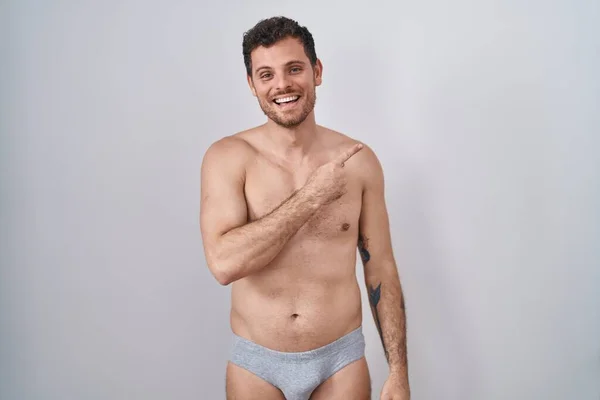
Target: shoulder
(226,159)
(368,168)
(231,146)
(365,163)
(229,150)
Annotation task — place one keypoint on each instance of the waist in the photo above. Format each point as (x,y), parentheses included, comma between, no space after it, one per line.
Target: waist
(354,338)
(297,318)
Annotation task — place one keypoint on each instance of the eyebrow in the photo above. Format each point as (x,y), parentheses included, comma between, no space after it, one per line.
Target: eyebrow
(287,64)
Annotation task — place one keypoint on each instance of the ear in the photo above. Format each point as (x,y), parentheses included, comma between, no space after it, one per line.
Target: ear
(318,70)
(251,85)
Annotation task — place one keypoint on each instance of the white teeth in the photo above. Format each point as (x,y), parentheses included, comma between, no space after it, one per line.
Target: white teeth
(286,99)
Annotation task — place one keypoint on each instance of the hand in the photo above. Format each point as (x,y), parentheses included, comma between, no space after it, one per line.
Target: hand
(395,388)
(329,180)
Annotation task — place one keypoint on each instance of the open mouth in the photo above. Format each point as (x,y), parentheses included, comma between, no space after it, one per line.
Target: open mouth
(286,101)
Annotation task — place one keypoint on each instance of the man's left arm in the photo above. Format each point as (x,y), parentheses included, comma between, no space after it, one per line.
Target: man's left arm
(382,278)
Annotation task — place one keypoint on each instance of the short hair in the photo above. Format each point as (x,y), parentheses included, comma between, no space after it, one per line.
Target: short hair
(269,31)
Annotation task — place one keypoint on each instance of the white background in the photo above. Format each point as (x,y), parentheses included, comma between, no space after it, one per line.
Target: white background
(484,114)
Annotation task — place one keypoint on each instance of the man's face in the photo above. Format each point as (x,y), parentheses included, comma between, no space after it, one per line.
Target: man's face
(284,82)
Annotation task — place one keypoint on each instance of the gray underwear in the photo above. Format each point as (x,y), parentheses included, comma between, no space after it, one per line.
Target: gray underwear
(298,374)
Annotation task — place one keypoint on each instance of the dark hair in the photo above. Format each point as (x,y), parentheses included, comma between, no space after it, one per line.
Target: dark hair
(269,31)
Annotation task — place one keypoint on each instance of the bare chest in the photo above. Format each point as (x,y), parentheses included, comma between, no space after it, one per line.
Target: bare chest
(268,186)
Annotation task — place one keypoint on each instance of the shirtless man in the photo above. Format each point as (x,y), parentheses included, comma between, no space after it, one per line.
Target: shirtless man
(283,208)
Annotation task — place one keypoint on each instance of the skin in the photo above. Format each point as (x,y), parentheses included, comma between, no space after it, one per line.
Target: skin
(284,207)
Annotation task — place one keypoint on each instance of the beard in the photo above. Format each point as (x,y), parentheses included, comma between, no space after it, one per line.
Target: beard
(289,119)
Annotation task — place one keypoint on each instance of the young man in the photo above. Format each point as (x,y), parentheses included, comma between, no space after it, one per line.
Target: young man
(282,210)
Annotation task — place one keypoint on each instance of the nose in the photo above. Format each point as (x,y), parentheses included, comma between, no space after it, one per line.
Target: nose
(283,82)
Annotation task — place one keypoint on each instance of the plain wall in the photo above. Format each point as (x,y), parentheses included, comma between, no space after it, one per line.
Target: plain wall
(485,116)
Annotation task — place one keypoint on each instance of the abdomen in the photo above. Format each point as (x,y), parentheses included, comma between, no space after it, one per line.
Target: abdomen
(300,305)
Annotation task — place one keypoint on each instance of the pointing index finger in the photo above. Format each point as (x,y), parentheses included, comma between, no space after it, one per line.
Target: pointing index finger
(349,153)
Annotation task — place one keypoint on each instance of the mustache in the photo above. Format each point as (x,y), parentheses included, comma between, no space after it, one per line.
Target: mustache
(290,91)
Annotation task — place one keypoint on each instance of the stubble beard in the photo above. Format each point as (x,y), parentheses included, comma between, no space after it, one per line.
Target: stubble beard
(271,111)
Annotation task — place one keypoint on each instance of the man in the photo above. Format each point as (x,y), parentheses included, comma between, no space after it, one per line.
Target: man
(282,210)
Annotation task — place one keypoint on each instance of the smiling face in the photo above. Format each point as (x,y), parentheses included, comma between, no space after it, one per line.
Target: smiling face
(284,82)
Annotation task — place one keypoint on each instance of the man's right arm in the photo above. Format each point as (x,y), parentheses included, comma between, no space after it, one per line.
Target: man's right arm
(233,247)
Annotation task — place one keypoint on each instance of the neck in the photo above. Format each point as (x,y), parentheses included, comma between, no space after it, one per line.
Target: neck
(293,143)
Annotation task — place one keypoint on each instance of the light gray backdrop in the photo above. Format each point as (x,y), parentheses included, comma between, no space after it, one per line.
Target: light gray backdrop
(485,116)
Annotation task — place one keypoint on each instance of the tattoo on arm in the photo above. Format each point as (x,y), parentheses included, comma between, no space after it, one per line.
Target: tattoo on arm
(374,297)
(374,293)
(392,311)
(362,248)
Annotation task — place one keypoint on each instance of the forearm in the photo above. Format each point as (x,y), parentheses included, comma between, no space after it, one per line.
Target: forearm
(387,305)
(249,248)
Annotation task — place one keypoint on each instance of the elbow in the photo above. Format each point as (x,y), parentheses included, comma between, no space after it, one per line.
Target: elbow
(216,265)
(223,280)
(223,277)
(222,271)
(225,267)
